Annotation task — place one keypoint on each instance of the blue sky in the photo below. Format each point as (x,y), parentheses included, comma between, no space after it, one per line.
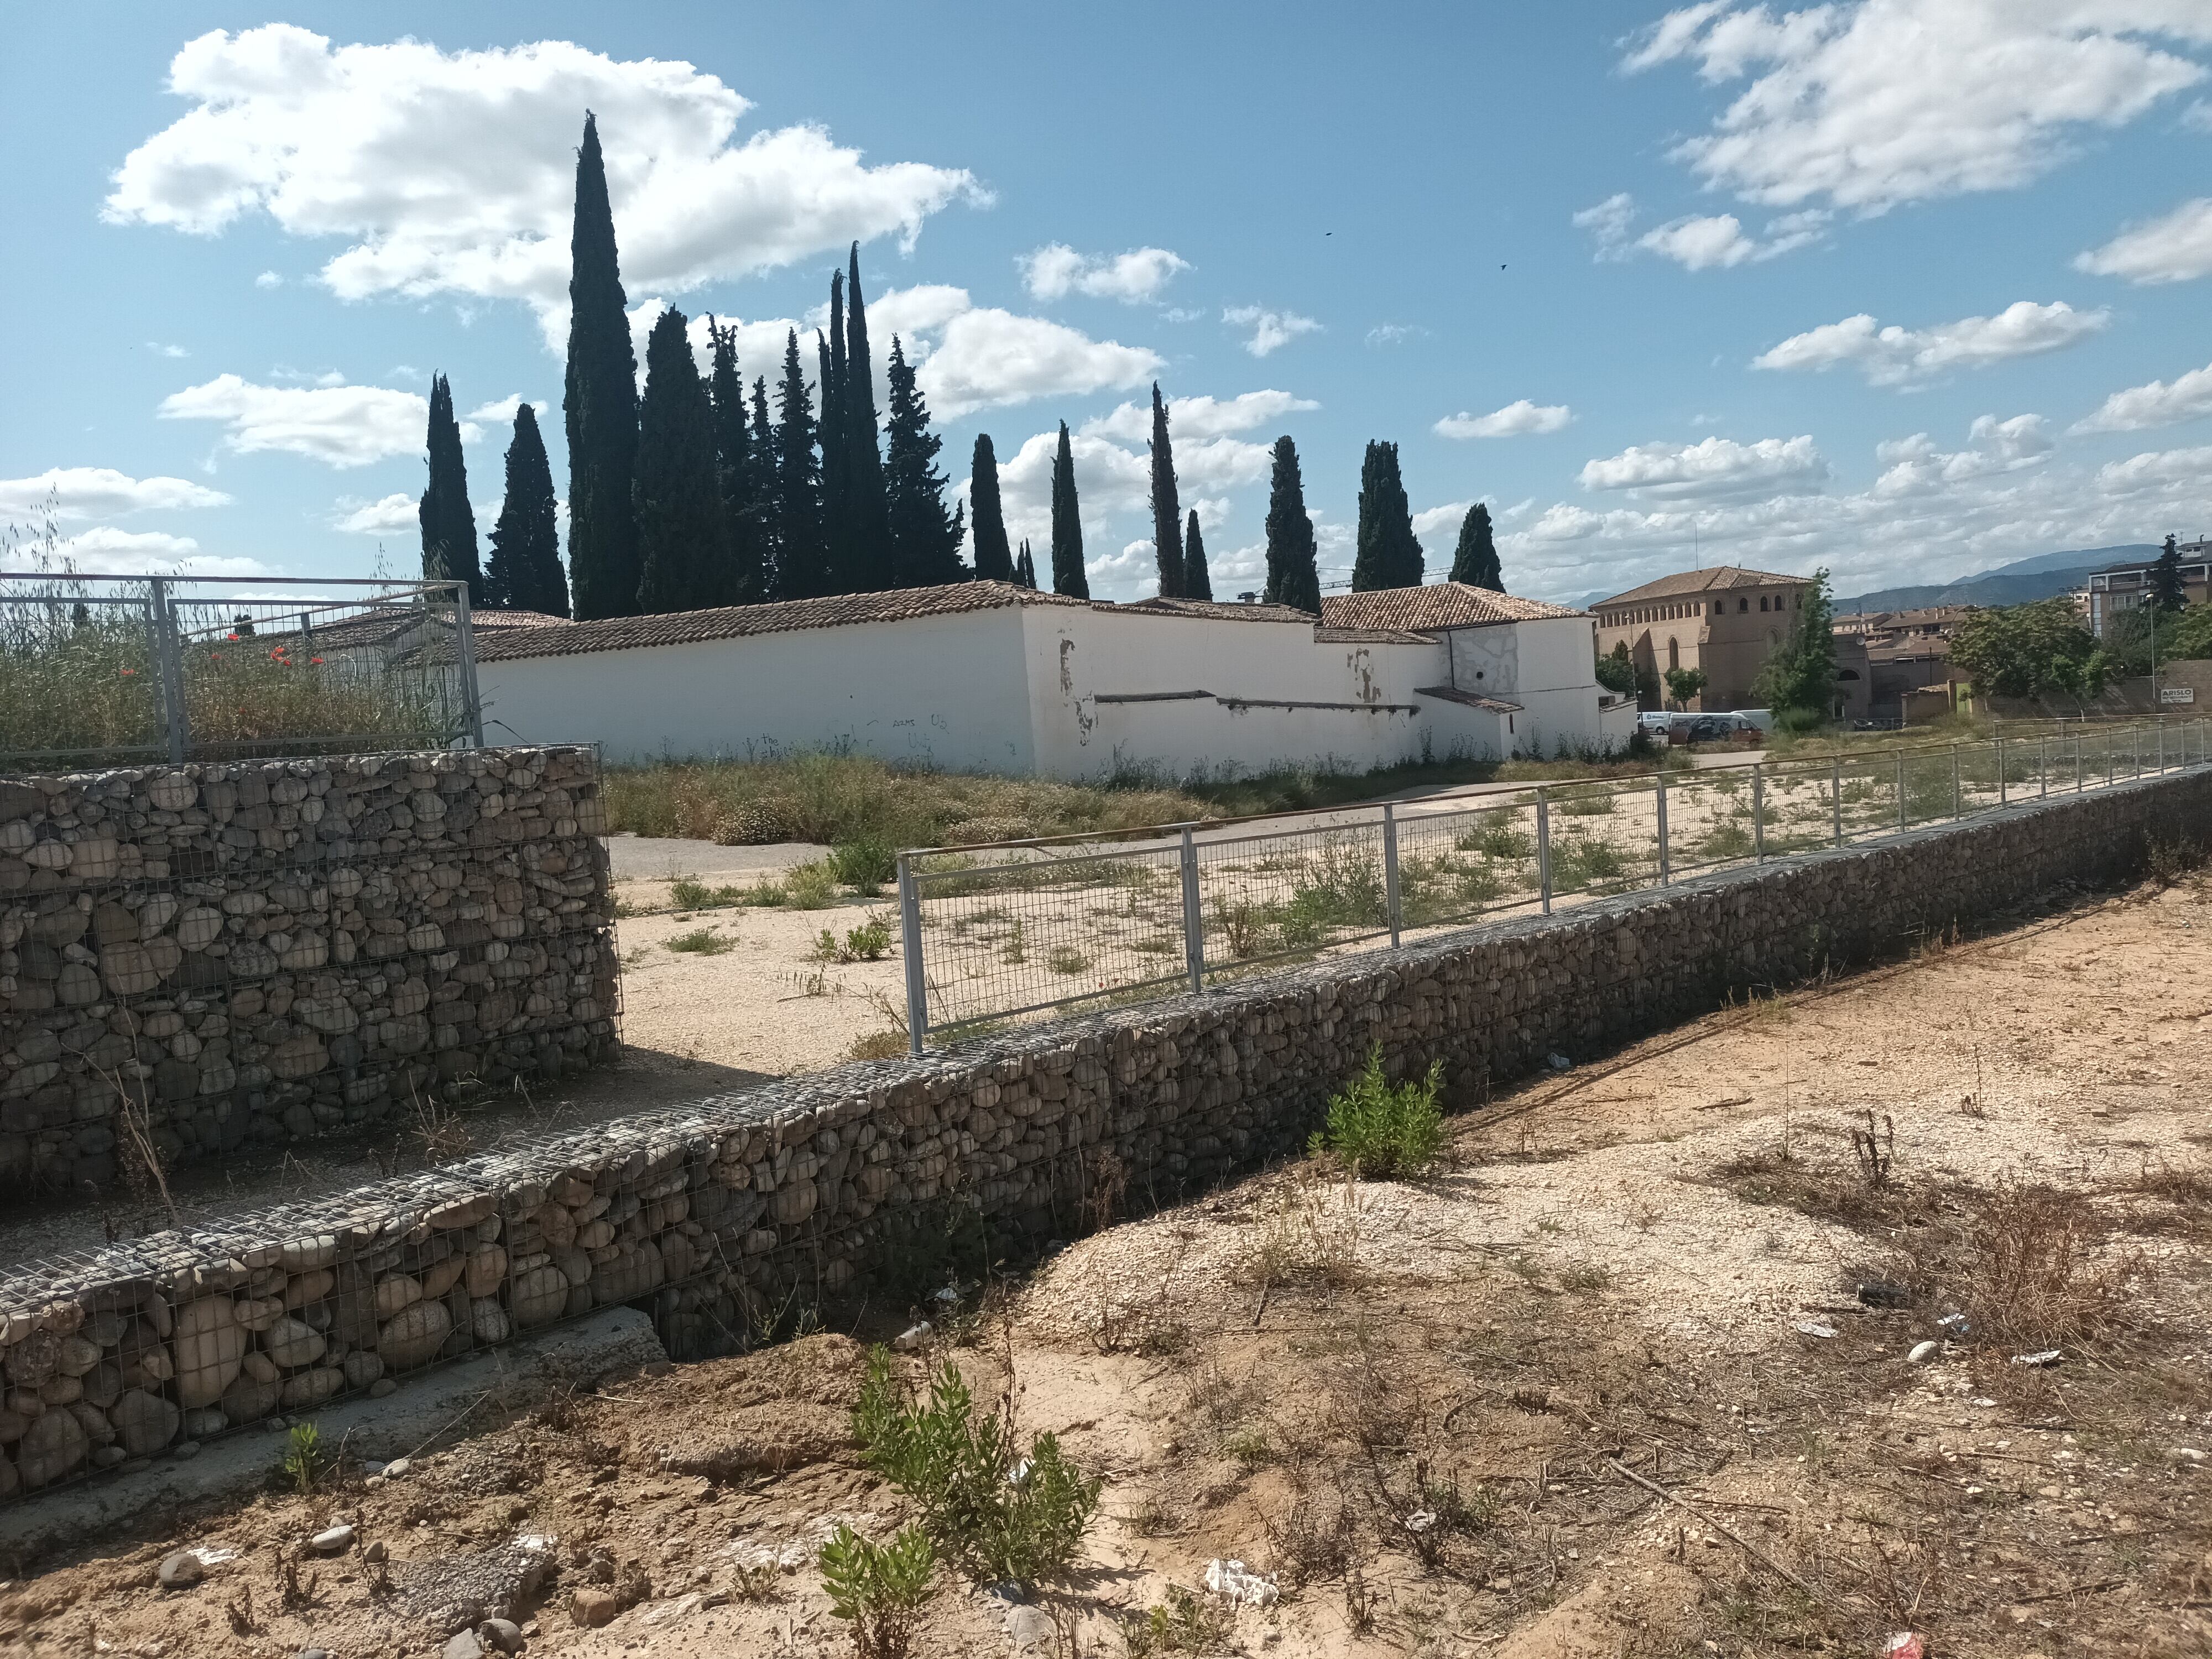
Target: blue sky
(1902,288)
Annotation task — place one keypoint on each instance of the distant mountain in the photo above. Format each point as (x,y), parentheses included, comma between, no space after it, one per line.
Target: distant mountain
(2045,576)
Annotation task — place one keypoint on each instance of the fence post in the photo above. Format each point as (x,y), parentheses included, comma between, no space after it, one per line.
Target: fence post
(1665,872)
(2004,794)
(1544,848)
(2161,744)
(917,982)
(1194,917)
(2043,767)
(2077,760)
(1758,812)
(1954,783)
(1390,868)
(464,665)
(1836,795)
(1904,822)
(170,661)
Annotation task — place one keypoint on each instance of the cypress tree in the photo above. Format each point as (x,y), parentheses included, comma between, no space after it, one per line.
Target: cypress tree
(1389,555)
(1475,561)
(836,504)
(1067,576)
(449,529)
(524,570)
(768,493)
(801,569)
(743,578)
(1025,567)
(1197,580)
(994,561)
(1292,576)
(869,544)
(925,537)
(683,538)
(1167,513)
(2167,591)
(600,402)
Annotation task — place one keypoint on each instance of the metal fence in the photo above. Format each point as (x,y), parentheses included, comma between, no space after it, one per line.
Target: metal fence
(106,669)
(1014,929)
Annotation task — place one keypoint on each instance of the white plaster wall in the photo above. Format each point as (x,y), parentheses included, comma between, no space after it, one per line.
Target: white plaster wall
(946,691)
(1547,666)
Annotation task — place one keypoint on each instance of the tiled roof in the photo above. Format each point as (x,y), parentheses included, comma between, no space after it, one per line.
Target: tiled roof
(734,621)
(1700,582)
(1216,610)
(1427,610)
(1328,635)
(1472,699)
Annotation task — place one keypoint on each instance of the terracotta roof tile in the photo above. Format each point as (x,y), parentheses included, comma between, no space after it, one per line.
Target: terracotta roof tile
(1700,582)
(1328,635)
(1217,610)
(1438,605)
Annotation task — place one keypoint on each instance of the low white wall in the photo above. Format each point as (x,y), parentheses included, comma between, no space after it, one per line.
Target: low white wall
(1547,667)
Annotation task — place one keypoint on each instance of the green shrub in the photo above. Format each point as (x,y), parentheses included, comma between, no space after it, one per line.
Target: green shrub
(1578,860)
(865,864)
(1498,837)
(1065,959)
(701,941)
(1001,1515)
(810,886)
(879,1587)
(304,1463)
(1383,1129)
(869,942)
(690,895)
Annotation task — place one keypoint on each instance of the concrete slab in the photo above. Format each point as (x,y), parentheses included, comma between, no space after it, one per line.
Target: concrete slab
(393,1426)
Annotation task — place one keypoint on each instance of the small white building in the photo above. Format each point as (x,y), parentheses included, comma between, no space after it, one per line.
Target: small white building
(989,676)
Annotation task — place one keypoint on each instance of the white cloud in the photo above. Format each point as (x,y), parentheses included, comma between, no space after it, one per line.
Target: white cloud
(1271,330)
(345,426)
(1903,356)
(1698,242)
(1873,103)
(1516,420)
(161,350)
(986,357)
(2158,404)
(1609,222)
(1218,464)
(1915,465)
(1054,272)
(455,173)
(1441,521)
(1199,418)
(499,416)
(1711,467)
(100,492)
(269,279)
(1390,334)
(2174,249)
(2184,469)
(386,517)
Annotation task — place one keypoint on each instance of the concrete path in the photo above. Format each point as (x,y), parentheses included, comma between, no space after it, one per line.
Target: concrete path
(658,857)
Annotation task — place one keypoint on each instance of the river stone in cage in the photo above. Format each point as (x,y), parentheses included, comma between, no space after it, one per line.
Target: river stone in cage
(210,1347)
(200,927)
(129,970)
(414,1335)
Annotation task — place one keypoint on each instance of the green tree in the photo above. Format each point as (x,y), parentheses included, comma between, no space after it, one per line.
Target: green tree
(1293,579)
(994,561)
(1475,560)
(1025,567)
(1684,683)
(1067,574)
(524,572)
(925,536)
(742,578)
(2192,635)
(1197,579)
(2024,650)
(2166,592)
(869,558)
(801,569)
(682,534)
(600,402)
(1389,554)
(1167,512)
(449,527)
(768,524)
(1616,672)
(838,567)
(1799,680)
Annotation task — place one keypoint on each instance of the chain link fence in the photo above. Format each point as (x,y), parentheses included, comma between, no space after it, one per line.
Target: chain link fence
(1012,930)
(100,670)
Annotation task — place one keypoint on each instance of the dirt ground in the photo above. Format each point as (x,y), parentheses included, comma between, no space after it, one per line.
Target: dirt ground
(1430,1408)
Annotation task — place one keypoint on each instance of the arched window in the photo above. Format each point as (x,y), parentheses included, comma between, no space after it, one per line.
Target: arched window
(1673,654)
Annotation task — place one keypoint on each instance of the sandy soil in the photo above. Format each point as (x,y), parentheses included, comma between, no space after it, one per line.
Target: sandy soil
(1418,1404)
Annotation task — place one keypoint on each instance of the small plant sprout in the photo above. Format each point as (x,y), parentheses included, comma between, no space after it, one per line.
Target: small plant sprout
(880,1588)
(304,1463)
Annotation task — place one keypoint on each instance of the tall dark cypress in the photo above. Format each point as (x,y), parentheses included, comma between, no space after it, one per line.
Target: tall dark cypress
(449,529)
(1197,579)
(1167,512)
(768,492)
(1389,555)
(1293,579)
(2167,589)
(600,402)
(801,572)
(1475,560)
(993,560)
(868,520)
(524,572)
(1067,574)
(842,570)
(683,538)
(1025,567)
(925,536)
(741,580)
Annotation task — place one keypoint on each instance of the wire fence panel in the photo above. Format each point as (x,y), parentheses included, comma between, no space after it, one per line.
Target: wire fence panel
(1020,929)
(100,670)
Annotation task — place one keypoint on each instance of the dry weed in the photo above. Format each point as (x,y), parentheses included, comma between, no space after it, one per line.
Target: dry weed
(2032,1270)
(1307,1234)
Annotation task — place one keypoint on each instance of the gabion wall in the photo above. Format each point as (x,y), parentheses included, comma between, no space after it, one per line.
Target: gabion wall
(724,1218)
(265,951)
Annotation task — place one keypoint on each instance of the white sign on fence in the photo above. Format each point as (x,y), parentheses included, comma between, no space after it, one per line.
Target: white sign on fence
(2177,694)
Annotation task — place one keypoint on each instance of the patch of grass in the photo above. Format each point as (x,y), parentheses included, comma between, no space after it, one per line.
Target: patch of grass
(1381,1129)
(1585,1276)
(687,893)
(869,942)
(1498,836)
(701,941)
(810,886)
(1065,959)
(1185,1623)
(1582,860)
(865,864)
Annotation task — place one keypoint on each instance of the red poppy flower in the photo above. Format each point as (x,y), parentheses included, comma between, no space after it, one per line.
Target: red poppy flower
(315,662)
